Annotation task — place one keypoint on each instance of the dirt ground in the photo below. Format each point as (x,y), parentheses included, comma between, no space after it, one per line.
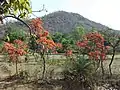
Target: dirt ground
(53,75)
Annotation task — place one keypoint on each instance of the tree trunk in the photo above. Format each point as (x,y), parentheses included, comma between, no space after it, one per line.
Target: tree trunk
(16,67)
(113,55)
(102,68)
(44,66)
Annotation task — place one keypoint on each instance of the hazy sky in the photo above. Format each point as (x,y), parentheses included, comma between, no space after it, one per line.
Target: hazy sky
(106,12)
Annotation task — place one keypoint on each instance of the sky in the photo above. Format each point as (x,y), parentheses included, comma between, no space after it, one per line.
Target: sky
(106,12)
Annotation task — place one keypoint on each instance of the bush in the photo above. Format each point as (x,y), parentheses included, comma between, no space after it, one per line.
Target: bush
(80,70)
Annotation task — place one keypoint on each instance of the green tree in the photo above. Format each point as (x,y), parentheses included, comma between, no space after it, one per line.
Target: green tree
(57,37)
(21,8)
(66,40)
(78,33)
(14,33)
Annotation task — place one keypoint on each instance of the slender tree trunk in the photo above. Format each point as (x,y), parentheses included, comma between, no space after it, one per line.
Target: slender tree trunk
(102,68)
(16,66)
(47,56)
(98,65)
(44,65)
(113,55)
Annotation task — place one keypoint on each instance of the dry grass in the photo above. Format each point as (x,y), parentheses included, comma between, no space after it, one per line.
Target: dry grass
(54,67)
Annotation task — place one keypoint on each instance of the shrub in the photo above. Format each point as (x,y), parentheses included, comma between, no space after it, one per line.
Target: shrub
(80,70)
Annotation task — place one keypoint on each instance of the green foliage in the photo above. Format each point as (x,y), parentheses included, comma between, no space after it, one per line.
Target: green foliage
(112,39)
(83,65)
(78,33)
(69,40)
(80,69)
(16,7)
(32,43)
(66,40)
(1,45)
(15,33)
(57,37)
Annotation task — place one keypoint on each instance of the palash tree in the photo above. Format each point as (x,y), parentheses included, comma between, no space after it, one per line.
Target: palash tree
(42,41)
(93,46)
(14,50)
(91,54)
(15,9)
(19,9)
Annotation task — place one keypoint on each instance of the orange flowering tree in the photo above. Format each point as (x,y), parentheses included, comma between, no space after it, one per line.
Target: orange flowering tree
(42,41)
(93,46)
(14,50)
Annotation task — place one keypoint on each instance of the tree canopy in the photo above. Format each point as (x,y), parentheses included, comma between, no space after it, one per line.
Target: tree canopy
(20,8)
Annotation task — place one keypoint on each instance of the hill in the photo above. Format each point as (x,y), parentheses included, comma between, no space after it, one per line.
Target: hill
(65,22)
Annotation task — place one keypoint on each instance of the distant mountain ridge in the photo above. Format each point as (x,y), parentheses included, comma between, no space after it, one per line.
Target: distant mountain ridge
(65,22)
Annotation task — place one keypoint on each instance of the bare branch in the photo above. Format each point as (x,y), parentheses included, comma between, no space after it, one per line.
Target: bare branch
(30,30)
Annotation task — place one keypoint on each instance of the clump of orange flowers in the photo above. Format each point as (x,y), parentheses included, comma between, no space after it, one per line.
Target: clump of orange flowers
(93,44)
(43,37)
(15,49)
